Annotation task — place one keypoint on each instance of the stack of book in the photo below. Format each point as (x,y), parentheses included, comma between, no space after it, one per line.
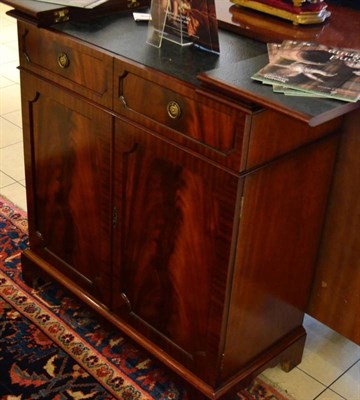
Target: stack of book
(311,69)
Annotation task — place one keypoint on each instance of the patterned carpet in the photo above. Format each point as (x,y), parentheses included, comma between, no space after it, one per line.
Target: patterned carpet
(52,347)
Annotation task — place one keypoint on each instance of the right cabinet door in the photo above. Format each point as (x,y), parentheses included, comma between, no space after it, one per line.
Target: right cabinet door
(172,244)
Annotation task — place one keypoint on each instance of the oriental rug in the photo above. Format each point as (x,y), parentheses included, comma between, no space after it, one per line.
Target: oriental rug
(52,347)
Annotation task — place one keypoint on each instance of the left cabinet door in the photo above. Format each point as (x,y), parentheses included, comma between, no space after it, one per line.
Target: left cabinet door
(67,146)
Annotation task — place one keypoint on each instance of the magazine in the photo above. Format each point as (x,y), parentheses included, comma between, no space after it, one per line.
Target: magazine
(314,69)
(273,51)
(192,21)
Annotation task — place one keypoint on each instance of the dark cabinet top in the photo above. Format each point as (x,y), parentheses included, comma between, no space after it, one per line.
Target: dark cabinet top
(229,72)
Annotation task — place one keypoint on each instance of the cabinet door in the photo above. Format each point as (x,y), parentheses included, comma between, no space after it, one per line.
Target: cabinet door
(172,243)
(67,155)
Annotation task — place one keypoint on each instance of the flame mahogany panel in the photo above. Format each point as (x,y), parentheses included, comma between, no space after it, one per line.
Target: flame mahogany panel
(172,245)
(68,157)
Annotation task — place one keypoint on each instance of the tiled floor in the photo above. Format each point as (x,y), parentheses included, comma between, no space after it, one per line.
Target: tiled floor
(330,369)
(12,176)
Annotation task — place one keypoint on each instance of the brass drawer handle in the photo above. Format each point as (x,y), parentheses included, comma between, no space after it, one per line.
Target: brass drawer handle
(173,109)
(63,60)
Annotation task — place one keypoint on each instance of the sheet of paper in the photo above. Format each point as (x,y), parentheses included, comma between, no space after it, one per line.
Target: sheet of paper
(75,3)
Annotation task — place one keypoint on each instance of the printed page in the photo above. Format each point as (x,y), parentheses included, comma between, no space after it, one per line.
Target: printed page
(315,68)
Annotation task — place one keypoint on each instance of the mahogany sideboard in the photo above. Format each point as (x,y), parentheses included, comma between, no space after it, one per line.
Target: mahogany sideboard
(179,199)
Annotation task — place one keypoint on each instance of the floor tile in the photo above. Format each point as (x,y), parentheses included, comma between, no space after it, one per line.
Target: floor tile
(329,395)
(9,133)
(14,117)
(5,82)
(348,385)
(16,193)
(10,99)
(296,383)
(8,31)
(13,44)
(10,71)
(327,354)
(5,22)
(8,54)
(3,9)
(5,180)
(11,161)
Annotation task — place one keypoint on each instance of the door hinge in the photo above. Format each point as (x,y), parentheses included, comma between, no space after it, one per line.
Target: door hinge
(115,216)
(222,362)
(241,207)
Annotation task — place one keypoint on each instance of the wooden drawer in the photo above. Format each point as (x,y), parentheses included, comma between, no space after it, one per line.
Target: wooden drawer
(195,118)
(61,59)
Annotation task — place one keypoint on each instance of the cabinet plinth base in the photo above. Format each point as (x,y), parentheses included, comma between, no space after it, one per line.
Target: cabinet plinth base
(287,352)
